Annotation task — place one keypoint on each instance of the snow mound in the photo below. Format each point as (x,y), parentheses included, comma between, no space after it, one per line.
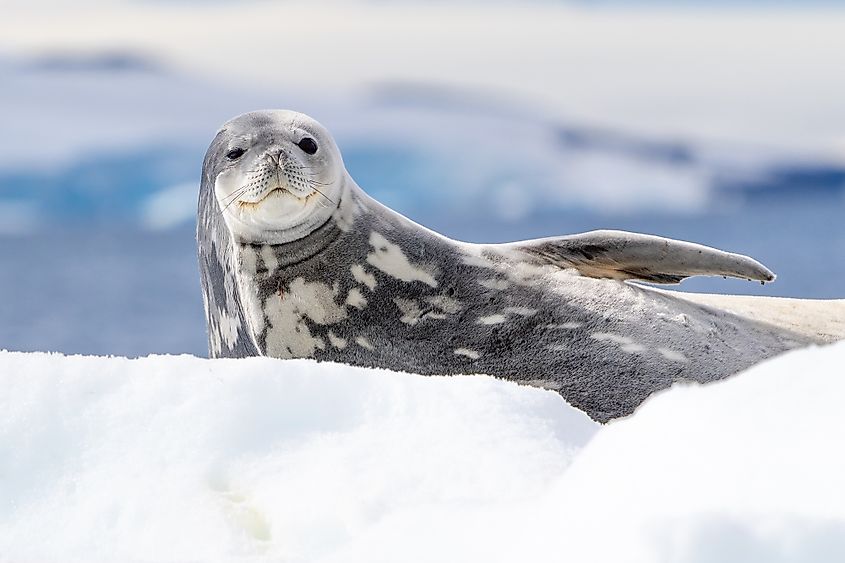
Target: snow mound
(178,458)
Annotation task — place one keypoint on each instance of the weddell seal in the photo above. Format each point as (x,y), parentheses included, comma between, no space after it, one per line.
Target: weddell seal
(298,262)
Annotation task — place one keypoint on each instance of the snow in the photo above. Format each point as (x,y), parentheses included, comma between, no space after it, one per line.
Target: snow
(177,458)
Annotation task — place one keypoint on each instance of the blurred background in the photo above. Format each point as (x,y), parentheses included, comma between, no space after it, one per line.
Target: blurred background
(717,122)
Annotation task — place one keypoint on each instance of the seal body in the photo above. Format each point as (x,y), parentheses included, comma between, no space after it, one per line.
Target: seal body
(366,286)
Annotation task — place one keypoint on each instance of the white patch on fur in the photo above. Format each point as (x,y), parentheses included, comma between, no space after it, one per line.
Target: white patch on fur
(390,259)
(288,335)
(269,257)
(337,341)
(528,274)
(222,329)
(566,326)
(558,347)
(521,311)
(610,337)
(249,260)
(491,319)
(228,328)
(355,299)
(445,303)
(493,283)
(626,344)
(247,257)
(473,257)
(362,276)
(672,355)
(472,354)
(215,341)
(681,318)
(364,343)
(344,215)
(410,309)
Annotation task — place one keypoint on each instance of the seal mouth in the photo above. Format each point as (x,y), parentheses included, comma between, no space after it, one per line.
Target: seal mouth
(279,192)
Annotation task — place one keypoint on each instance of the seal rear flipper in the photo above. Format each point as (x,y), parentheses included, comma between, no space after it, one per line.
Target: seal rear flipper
(821,320)
(632,256)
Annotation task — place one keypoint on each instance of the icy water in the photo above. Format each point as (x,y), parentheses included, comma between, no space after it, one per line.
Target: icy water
(109,290)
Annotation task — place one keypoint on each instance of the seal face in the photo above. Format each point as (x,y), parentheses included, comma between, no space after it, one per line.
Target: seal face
(298,262)
(279,177)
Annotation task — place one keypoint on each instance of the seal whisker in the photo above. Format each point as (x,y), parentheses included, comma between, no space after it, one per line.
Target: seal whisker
(235,195)
(324,195)
(226,207)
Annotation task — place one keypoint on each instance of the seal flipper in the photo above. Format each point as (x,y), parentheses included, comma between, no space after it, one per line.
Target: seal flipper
(632,256)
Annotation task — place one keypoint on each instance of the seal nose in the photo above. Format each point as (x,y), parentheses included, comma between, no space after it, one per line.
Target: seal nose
(279,156)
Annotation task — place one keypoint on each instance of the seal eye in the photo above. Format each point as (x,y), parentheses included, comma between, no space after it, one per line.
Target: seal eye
(308,145)
(235,154)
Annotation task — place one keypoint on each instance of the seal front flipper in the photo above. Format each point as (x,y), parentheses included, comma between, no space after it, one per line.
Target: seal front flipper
(632,256)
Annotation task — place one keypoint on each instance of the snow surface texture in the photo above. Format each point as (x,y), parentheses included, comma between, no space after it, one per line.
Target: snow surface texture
(179,458)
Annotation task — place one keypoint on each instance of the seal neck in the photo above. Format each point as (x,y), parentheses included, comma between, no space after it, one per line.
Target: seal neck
(289,254)
(321,235)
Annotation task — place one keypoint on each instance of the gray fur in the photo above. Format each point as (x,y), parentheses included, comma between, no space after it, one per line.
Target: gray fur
(369,287)
(221,296)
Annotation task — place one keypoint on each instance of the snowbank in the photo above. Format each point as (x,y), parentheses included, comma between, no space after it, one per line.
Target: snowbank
(179,458)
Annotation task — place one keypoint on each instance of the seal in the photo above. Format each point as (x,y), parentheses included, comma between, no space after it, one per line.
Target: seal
(297,261)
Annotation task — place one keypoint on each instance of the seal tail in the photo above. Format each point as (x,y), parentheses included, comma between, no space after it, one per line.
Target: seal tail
(822,320)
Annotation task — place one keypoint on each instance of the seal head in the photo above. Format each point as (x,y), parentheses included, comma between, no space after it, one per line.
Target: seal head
(277,176)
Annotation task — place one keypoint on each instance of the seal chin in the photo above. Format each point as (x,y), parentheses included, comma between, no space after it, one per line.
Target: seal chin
(278,206)
(278,217)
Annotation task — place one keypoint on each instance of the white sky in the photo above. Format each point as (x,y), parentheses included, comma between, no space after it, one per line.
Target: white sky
(769,77)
